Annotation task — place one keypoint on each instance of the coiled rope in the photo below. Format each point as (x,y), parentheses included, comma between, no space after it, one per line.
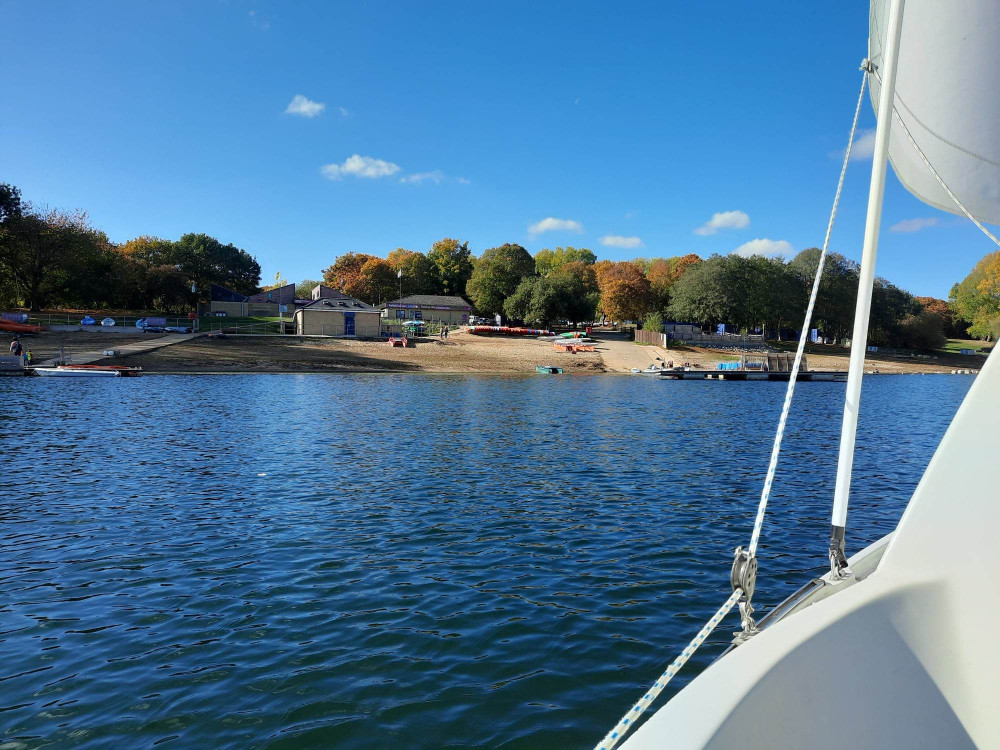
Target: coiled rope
(624,724)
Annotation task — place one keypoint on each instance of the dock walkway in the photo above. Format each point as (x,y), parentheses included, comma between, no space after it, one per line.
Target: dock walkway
(137,347)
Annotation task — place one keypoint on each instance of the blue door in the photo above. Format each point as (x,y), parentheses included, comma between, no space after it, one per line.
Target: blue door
(348,324)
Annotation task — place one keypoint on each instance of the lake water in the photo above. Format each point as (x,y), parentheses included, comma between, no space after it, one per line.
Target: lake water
(381,561)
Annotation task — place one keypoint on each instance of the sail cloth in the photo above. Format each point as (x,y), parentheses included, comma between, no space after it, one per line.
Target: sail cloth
(948,95)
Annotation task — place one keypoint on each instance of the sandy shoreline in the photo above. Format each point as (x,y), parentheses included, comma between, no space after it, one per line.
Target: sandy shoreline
(460,353)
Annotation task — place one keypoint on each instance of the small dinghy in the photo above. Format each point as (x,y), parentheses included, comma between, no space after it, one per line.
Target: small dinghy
(548,370)
(75,372)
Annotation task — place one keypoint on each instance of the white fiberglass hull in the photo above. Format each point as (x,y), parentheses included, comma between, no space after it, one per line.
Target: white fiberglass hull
(905,657)
(72,373)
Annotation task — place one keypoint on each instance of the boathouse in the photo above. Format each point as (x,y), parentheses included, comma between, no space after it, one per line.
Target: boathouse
(436,307)
(336,314)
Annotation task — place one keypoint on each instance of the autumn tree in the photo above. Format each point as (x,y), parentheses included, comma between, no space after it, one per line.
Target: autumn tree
(149,251)
(954,326)
(453,265)
(375,282)
(345,271)
(496,276)
(625,292)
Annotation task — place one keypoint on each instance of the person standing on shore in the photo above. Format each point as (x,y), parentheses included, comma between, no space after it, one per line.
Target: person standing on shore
(446,331)
(15,347)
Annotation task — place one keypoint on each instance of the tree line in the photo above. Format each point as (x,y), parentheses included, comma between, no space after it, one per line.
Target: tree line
(54,258)
(51,258)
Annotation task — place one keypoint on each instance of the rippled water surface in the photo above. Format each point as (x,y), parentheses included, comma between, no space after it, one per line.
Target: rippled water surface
(402,561)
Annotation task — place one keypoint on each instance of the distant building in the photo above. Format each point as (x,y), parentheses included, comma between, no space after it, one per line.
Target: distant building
(453,310)
(234,304)
(336,314)
(320,292)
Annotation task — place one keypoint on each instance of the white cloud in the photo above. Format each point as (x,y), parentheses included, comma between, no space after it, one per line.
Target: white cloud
(360,166)
(435,176)
(863,147)
(551,224)
(913,225)
(766,248)
(344,112)
(463,180)
(724,220)
(304,107)
(617,240)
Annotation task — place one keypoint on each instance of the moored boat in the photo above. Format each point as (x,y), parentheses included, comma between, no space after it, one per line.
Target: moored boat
(548,370)
(76,372)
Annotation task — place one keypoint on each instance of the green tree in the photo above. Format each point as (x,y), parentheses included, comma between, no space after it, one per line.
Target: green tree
(977,297)
(303,290)
(419,274)
(38,250)
(551,261)
(653,322)
(838,290)
(453,263)
(542,300)
(204,261)
(497,274)
(167,289)
(924,330)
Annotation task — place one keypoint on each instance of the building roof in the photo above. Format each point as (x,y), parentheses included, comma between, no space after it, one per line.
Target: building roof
(341,303)
(432,300)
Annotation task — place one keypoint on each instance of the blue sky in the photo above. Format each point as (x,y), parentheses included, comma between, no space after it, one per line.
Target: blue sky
(625,124)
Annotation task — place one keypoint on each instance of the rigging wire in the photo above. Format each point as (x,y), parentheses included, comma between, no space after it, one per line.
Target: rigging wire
(624,724)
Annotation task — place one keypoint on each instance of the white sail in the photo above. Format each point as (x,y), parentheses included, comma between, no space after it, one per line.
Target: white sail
(947,88)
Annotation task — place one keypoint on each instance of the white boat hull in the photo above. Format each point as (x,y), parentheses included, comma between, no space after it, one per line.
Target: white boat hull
(60,372)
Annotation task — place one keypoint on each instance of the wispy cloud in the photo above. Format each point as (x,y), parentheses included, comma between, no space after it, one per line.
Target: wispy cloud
(463,180)
(304,107)
(436,176)
(344,112)
(631,214)
(765,247)
(913,225)
(259,21)
(617,240)
(551,224)
(863,148)
(360,166)
(724,220)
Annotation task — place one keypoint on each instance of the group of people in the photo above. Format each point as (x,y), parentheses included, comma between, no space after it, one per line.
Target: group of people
(443,333)
(16,350)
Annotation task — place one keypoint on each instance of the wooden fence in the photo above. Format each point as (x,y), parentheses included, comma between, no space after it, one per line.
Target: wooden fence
(651,337)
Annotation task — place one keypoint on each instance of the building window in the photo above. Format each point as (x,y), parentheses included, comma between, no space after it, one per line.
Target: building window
(401,314)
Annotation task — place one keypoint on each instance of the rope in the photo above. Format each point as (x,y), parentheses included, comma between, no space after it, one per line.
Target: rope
(628,720)
(613,737)
(772,467)
(940,181)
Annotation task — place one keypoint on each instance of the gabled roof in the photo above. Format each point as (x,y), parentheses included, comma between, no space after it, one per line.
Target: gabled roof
(342,302)
(431,300)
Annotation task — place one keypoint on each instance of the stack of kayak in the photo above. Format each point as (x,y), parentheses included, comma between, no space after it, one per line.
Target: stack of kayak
(507,331)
